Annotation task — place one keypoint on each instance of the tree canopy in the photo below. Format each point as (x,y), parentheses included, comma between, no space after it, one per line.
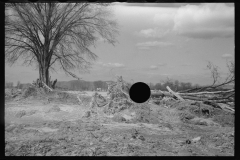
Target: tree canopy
(53,35)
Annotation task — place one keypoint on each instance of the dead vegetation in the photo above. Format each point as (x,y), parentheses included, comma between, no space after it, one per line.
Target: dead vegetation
(115,125)
(193,110)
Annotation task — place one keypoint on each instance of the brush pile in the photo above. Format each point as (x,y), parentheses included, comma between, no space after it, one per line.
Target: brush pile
(218,99)
(119,98)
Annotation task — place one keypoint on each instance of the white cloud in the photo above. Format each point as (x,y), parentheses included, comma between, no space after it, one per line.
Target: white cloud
(153,33)
(205,21)
(227,56)
(116,65)
(147,45)
(163,22)
(153,67)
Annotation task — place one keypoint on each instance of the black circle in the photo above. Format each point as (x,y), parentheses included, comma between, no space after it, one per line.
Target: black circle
(140,92)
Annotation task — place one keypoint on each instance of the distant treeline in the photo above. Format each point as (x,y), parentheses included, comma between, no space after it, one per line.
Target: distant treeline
(181,86)
(174,85)
(8,84)
(81,85)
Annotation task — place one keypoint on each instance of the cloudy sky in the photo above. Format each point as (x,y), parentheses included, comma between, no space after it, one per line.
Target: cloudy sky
(157,41)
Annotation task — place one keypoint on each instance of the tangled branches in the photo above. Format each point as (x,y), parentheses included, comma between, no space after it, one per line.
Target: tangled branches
(119,98)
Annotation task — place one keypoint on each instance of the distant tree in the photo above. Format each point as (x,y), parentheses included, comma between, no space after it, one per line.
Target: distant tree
(215,74)
(151,86)
(158,86)
(8,84)
(183,86)
(176,85)
(188,85)
(98,84)
(50,34)
(18,84)
(196,86)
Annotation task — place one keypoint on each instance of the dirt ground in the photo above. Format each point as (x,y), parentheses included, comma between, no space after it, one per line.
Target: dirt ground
(61,126)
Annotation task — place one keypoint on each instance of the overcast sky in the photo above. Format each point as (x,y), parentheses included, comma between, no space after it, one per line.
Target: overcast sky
(157,41)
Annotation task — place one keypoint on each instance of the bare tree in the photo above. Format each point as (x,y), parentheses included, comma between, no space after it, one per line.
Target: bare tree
(53,35)
(18,84)
(215,74)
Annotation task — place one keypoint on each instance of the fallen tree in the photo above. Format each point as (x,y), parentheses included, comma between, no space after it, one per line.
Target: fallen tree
(210,98)
(118,93)
(208,94)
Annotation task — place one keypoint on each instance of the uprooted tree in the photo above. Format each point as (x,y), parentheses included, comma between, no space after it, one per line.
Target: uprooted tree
(215,74)
(53,35)
(208,94)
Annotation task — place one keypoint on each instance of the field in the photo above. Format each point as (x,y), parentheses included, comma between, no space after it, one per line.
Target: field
(57,124)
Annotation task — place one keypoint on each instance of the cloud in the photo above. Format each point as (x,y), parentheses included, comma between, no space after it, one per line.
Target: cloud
(205,21)
(153,67)
(153,33)
(164,22)
(148,45)
(227,56)
(115,65)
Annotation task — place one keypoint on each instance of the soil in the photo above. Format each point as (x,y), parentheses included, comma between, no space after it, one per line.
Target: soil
(56,124)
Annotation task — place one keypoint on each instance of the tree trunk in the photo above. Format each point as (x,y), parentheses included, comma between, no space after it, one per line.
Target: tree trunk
(44,74)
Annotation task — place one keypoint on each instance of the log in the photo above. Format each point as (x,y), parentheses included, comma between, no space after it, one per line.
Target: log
(217,92)
(195,98)
(217,106)
(220,100)
(161,94)
(229,108)
(47,86)
(178,96)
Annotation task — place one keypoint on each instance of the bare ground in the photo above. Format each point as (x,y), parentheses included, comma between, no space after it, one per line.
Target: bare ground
(39,127)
